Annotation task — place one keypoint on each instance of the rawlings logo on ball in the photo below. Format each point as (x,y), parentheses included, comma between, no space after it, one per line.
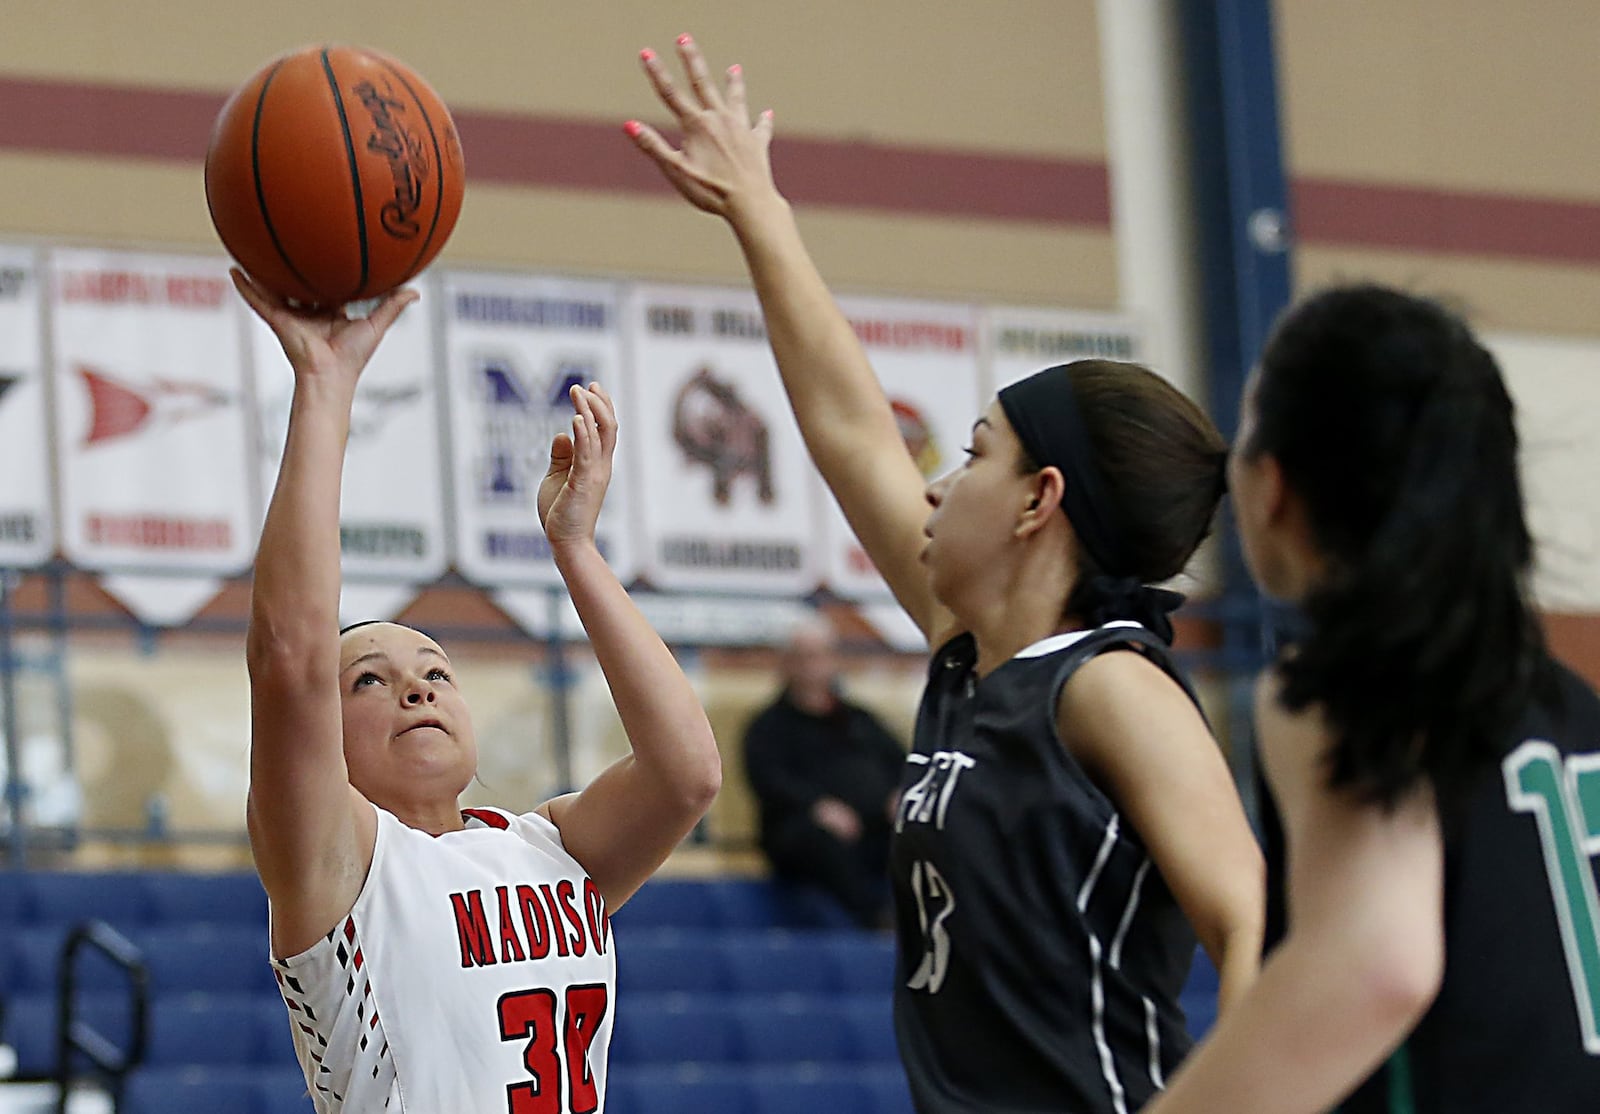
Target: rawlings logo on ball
(408,165)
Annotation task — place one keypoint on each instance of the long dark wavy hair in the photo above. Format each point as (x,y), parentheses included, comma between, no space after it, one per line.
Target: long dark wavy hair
(1422,647)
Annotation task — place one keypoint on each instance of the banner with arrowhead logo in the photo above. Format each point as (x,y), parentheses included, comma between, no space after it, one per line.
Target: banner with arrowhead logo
(151,431)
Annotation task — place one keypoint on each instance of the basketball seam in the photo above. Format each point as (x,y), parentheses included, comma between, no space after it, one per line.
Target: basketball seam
(438,163)
(355,172)
(255,173)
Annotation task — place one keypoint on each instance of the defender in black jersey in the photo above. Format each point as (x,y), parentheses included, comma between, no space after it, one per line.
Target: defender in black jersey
(1067,826)
(1000,831)
(1433,921)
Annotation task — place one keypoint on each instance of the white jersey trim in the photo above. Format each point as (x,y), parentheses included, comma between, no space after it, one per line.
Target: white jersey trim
(1057,642)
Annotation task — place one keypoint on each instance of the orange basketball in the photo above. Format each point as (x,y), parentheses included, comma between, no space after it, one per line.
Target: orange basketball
(334,174)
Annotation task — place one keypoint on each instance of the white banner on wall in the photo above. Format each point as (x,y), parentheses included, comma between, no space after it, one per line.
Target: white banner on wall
(1555,383)
(151,433)
(1020,341)
(926,358)
(726,491)
(27,533)
(515,347)
(391,511)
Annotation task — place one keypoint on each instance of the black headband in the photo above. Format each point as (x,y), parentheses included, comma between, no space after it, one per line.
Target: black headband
(1043,409)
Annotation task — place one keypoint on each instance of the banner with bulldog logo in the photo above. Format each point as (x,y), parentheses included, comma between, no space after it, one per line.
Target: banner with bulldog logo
(1020,341)
(926,358)
(516,345)
(726,491)
(152,438)
(391,510)
(27,532)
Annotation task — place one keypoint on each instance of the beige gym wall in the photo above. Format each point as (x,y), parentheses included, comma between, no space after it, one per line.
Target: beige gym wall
(996,81)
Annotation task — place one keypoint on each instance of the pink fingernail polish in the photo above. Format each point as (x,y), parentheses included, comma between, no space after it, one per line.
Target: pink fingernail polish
(633,128)
(647,55)
(736,69)
(684,40)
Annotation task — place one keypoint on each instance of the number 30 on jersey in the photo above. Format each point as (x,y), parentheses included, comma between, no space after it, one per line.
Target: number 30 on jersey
(532,1016)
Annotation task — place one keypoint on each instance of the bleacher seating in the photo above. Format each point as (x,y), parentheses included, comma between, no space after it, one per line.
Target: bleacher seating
(734,994)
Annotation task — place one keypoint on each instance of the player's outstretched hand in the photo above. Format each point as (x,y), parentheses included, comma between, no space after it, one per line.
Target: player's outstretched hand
(324,344)
(723,162)
(575,485)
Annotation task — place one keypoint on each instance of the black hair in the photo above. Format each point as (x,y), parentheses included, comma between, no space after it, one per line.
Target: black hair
(361,623)
(1394,425)
(1162,468)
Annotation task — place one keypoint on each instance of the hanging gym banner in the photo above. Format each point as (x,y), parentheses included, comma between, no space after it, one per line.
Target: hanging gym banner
(1020,341)
(726,491)
(926,358)
(27,532)
(1555,383)
(391,510)
(150,426)
(515,346)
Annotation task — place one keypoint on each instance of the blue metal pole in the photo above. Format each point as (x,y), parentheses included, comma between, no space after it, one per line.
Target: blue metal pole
(1241,197)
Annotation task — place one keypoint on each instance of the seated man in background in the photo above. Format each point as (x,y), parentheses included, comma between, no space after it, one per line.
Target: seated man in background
(826,777)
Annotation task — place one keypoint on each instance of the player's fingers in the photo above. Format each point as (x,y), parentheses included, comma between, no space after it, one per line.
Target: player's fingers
(763,128)
(583,420)
(605,411)
(605,414)
(661,81)
(651,142)
(390,308)
(736,99)
(560,452)
(253,295)
(700,79)
(672,164)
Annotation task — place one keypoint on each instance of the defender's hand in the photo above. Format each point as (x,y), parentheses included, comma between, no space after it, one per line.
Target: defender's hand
(724,159)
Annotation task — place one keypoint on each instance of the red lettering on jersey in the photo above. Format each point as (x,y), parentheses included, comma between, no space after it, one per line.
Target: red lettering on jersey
(568,896)
(510,946)
(533,923)
(595,906)
(555,919)
(473,929)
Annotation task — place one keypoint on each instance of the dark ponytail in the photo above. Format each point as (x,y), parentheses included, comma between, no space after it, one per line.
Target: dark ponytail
(1393,424)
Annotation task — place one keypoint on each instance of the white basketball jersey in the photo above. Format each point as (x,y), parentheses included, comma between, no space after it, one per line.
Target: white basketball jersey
(474,973)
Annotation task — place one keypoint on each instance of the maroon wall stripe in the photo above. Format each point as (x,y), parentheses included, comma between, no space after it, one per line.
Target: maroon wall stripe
(80,118)
(75,118)
(1360,214)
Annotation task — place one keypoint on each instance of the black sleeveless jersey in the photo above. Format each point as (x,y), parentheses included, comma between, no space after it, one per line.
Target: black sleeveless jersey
(1516,1026)
(1040,955)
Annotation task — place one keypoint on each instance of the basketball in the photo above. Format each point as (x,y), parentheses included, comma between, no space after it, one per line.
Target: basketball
(334,174)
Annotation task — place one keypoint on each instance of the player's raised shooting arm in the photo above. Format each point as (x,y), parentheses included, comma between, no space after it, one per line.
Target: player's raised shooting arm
(311,834)
(625,823)
(843,413)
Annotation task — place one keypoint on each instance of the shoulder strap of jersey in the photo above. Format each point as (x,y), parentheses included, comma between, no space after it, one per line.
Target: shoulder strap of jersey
(1115,638)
